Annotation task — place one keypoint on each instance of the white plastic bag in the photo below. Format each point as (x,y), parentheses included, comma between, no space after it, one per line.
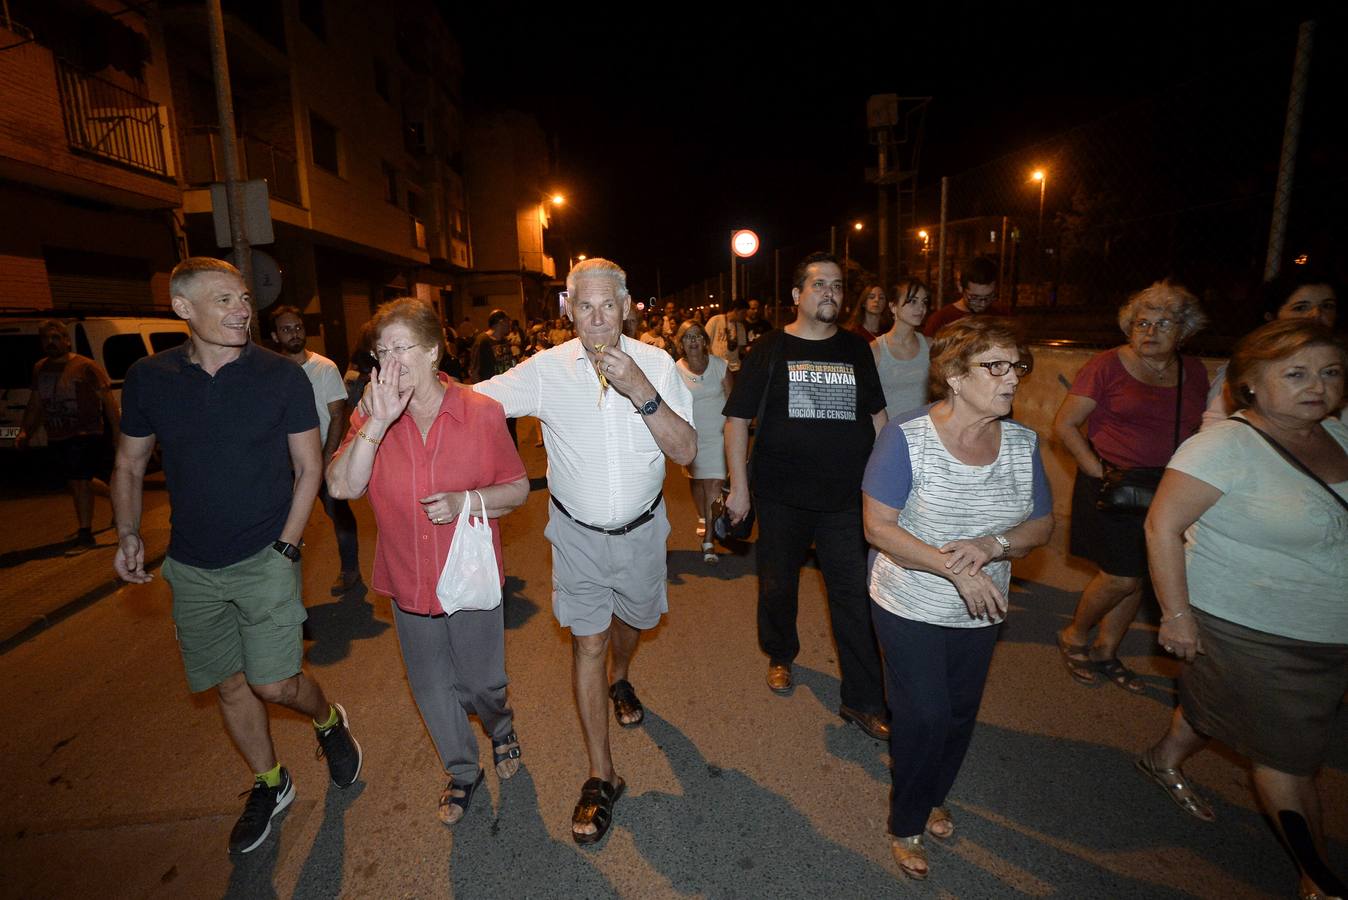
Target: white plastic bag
(470,579)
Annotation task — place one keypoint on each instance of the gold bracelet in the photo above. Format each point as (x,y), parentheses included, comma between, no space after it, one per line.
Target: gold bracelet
(362,434)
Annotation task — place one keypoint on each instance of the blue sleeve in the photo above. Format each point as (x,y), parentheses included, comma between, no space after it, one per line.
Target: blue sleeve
(1041,492)
(889,472)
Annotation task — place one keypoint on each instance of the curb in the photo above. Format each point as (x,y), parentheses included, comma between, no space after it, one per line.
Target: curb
(68,609)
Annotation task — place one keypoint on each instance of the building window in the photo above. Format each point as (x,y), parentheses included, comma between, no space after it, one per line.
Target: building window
(414,204)
(323,143)
(390,183)
(314,17)
(480,299)
(381,81)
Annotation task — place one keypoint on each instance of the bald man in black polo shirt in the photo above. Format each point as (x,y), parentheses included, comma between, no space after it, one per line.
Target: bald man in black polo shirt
(241,456)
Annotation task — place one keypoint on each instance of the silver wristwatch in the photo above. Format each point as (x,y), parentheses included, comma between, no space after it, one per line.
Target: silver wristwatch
(1006,545)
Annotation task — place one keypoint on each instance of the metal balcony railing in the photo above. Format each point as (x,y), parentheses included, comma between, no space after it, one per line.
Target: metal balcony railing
(110,122)
(204,162)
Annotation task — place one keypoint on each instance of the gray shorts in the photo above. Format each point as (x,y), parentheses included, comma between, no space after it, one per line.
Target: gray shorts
(598,576)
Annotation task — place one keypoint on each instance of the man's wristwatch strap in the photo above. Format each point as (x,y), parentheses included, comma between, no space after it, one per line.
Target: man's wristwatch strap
(650,406)
(289,551)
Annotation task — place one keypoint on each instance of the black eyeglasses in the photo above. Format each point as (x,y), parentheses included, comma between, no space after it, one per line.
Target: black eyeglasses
(999,367)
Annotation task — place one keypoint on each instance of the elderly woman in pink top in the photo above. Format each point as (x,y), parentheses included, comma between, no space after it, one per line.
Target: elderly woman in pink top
(1138,402)
(424,442)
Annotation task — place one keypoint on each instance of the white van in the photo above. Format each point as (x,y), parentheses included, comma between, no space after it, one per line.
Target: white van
(114,342)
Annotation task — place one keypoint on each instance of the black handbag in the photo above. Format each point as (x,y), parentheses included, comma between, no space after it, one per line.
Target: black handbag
(1124,490)
(738,532)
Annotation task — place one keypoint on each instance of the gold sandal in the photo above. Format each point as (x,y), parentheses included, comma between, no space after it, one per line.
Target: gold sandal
(1176,787)
(911,856)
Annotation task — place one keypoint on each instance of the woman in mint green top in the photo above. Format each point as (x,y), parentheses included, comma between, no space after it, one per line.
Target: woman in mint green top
(903,354)
(1248,547)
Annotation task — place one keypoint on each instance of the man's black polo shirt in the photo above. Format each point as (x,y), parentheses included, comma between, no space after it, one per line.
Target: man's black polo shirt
(225,443)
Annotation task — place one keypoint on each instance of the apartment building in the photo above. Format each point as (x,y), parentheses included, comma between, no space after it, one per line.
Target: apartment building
(88,168)
(351,114)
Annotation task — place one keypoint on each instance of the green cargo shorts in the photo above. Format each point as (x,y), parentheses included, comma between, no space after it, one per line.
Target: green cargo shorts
(244,617)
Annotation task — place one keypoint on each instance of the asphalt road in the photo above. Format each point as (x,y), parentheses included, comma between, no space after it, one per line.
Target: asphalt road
(122,784)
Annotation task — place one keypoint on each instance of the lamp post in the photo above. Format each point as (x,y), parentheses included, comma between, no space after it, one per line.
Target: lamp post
(926,255)
(1040,176)
(847,254)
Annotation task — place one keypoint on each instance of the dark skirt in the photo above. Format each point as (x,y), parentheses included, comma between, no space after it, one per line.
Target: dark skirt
(1113,541)
(1272,699)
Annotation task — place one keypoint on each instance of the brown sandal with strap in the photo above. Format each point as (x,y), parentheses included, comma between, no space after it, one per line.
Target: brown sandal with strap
(595,807)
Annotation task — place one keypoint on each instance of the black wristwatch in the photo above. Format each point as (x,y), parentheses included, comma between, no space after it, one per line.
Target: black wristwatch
(650,406)
(289,551)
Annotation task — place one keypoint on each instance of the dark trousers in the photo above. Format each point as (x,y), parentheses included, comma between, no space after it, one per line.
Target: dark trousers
(934,677)
(344,525)
(784,537)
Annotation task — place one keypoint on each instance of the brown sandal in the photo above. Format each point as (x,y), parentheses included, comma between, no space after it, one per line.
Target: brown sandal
(911,856)
(1077,660)
(940,825)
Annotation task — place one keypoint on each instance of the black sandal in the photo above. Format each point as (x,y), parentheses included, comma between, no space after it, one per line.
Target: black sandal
(625,703)
(448,800)
(595,807)
(1121,675)
(500,755)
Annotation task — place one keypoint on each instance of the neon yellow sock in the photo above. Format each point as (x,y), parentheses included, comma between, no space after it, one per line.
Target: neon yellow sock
(330,721)
(271,777)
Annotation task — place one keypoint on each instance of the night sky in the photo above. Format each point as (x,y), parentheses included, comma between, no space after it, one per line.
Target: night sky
(671,131)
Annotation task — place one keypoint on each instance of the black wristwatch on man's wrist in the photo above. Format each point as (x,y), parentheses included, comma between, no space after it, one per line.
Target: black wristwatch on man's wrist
(650,406)
(289,551)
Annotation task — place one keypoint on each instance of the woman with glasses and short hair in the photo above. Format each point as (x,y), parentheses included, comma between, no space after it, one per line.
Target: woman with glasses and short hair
(953,492)
(1138,402)
(417,443)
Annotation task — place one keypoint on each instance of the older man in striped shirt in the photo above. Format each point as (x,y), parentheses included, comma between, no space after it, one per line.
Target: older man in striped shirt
(612,409)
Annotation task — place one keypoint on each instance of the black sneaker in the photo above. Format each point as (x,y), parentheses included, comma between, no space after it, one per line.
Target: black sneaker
(263,803)
(340,748)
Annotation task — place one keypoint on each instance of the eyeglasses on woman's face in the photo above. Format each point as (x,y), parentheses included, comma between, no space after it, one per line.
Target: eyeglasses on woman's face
(999,367)
(382,353)
(1162,325)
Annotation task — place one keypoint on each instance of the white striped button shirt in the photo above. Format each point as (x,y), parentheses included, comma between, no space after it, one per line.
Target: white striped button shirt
(603,463)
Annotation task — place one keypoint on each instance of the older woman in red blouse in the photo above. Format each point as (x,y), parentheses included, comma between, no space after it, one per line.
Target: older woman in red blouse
(424,442)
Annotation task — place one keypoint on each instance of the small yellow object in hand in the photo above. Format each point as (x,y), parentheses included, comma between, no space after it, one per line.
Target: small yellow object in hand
(603,382)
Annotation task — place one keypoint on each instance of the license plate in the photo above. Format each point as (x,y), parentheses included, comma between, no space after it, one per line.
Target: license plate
(9,432)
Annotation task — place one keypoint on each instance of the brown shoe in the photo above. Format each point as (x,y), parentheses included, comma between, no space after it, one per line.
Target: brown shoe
(779,679)
(873,724)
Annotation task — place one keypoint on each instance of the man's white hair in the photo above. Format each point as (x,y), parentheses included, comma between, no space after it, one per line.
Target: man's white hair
(589,268)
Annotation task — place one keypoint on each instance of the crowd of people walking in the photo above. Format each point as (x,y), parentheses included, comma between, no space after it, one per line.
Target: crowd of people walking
(884,440)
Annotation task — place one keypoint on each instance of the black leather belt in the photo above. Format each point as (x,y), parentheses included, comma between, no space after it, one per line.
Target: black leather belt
(630,526)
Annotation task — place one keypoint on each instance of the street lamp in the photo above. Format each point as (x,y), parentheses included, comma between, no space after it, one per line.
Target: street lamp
(1040,176)
(926,256)
(847,254)
(558,199)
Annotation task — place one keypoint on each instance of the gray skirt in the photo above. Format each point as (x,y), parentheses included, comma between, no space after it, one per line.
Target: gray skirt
(1272,699)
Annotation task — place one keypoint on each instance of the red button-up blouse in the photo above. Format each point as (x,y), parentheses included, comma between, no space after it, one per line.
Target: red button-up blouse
(467,447)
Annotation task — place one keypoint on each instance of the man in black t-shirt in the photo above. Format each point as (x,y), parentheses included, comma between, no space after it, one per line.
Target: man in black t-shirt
(491,356)
(239,431)
(824,406)
(755,326)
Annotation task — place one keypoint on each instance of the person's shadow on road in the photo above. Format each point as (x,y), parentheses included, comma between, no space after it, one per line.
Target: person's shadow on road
(511,854)
(725,830)
(334,625)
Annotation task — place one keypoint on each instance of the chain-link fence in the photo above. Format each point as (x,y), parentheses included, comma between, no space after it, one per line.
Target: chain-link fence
(1180,185)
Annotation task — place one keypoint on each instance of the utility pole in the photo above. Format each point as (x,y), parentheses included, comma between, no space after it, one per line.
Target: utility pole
(224,99)
(1291,139)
